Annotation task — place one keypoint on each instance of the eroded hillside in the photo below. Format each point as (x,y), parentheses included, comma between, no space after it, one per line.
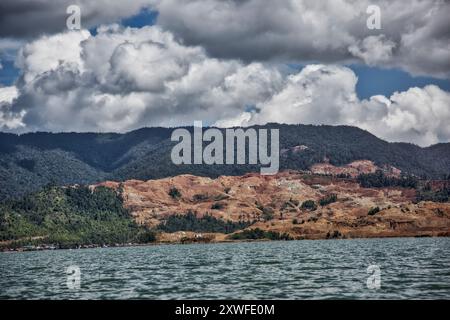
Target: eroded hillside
(304,206)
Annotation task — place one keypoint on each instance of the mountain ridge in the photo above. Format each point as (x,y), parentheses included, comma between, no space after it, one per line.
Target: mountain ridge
(31,160)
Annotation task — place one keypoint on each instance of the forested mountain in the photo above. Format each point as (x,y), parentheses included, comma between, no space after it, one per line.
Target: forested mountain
(30,161)
(69,217)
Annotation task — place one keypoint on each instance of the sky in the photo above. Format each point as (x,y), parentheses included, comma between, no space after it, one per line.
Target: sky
(227,63)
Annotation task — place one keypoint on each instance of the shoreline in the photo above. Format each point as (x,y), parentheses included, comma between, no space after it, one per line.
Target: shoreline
(132,245)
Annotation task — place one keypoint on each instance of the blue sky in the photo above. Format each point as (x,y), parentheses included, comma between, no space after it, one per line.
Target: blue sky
(373,81)
(8,73)
(144,18)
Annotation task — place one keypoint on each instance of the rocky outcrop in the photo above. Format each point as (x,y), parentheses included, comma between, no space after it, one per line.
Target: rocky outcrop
(275,203)
(353,169)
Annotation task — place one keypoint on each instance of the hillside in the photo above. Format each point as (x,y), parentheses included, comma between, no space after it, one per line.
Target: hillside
(300,206)
(30,161)
(187,208)
(69,217)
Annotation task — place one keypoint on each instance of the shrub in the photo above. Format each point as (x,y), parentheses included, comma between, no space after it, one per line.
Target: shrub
(174,193)
(309,205)
(373,211)
(426,193)
(217,206)
(267,213)
(200,197)
(207,223)
(334,235)
(146,236)
(254,234)
(328,199)
(380,180)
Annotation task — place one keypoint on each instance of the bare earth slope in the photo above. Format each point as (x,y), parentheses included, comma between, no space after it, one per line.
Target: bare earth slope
(253,197)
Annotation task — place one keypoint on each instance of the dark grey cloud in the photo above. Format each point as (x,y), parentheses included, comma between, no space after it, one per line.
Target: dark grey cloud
(415,35)
(31,18)
(321,31)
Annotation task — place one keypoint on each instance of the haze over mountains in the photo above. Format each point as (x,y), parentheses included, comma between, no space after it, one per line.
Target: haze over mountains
(32,160)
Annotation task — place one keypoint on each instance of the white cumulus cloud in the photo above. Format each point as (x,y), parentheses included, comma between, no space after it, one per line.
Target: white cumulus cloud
(126,78)
(8,119)
(321,94)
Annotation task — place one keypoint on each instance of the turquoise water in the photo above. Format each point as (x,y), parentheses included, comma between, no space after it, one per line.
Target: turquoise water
(323,269)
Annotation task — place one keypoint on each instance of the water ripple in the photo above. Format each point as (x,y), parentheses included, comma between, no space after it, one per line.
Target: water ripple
(329,269)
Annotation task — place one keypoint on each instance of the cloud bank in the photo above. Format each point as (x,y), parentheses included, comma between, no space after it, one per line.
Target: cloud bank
(321,94)
(31,18)
(414,35)
(125,78)
(223,62)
